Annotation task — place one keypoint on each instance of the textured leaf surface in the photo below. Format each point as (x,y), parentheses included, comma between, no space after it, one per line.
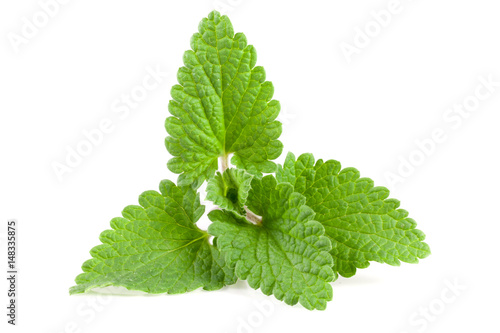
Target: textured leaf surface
(221,105)
(229,190)
(157,248)
(361,222)
(287,254)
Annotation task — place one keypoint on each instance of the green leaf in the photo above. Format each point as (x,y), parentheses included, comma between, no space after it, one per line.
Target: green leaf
(230,190)
(157,248)
(361,222)
(222,105)
(285,254)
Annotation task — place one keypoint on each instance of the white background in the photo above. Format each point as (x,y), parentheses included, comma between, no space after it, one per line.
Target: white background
(366,113)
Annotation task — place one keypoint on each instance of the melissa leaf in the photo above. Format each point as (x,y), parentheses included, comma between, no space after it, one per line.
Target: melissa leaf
(157,248)
(229,190)
(361,222)
(222,105)
(285,254)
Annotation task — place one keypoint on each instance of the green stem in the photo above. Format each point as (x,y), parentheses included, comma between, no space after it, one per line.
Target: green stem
(224,162)
(252,217)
